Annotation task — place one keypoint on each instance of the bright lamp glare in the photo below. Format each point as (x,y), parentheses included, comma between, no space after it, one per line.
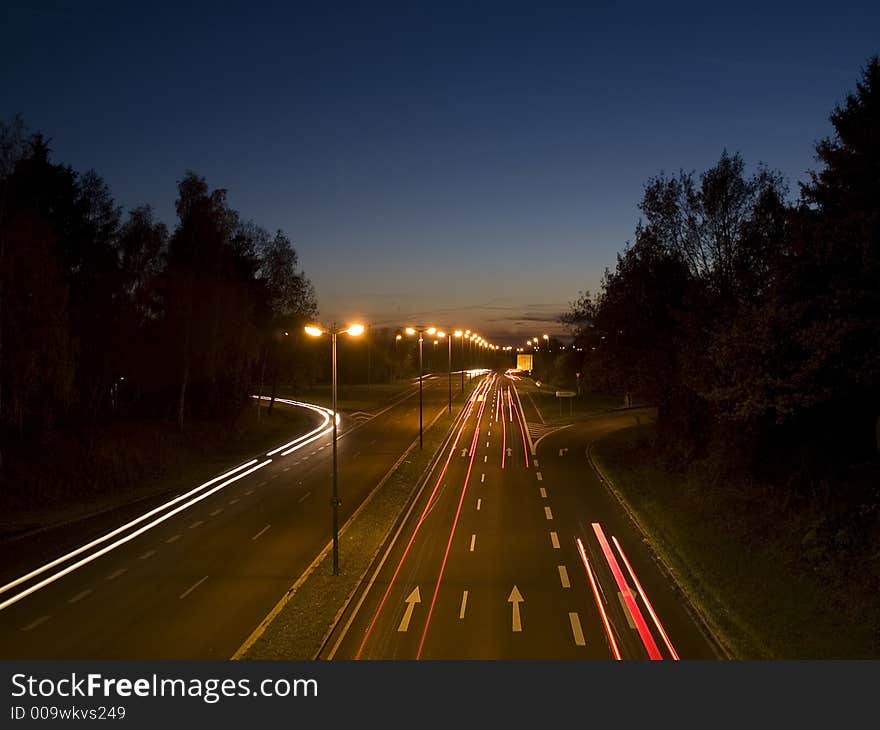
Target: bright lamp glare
(355,330)
(431,330)
(458,333)
(314,331)
(441,334)
(410,331)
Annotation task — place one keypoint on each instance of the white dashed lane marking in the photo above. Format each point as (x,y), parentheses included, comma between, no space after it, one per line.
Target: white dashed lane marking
(115,574)
(548,513)
(79,596)
(563,576)
(193,587)
(148,554)
(554,540)
(33,624)
(261,532)
(576,629)
(173,538)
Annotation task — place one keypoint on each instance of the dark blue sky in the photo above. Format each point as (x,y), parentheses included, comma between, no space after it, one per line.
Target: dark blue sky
(477,163)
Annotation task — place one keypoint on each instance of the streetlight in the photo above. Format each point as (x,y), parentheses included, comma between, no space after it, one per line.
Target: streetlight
(420,331)
(457,333)
(315,331)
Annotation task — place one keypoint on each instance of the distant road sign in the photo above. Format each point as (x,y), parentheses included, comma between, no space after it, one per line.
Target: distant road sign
(524,362)
(565,394)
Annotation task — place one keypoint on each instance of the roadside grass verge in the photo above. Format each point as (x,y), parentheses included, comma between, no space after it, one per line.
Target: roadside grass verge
(312,610)
(350,398)
(130,461)
(745,557)
(555,410)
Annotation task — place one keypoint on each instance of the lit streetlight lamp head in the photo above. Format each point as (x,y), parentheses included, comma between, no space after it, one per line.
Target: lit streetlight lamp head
(314,330)
(431,330)
(410,331)
(355,330)
(458,333)
(441,334)
(399,337)
(546,337)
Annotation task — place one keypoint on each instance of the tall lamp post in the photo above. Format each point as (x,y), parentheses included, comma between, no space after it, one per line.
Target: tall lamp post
(441,334)
(315,331)
(420,331)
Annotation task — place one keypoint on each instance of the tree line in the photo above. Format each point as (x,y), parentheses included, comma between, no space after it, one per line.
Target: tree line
(752,322)
(105,315)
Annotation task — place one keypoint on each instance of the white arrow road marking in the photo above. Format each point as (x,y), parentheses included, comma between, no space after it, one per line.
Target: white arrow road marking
(554,540)
(548,513)
(509,451)
(464,452)
(543,493)
(411,600)
(576,630)
(515,599)
(563,576)
(463,604)
(193,587)
(629,618)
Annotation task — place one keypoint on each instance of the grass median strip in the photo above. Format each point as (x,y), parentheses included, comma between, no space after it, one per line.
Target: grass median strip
(313,606)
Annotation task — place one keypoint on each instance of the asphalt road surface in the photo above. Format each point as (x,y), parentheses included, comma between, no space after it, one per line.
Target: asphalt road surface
(510,554)
(193,580)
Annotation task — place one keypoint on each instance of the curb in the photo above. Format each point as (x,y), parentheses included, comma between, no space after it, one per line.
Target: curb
(705,625)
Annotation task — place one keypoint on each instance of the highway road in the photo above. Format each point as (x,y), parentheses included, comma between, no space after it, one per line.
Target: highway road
(510,553)
(195,576)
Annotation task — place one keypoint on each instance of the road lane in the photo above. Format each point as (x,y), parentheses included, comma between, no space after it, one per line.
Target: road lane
(494,549)
(195,585)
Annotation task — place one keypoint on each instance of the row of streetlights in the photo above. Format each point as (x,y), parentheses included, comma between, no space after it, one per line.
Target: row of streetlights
(354,330)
